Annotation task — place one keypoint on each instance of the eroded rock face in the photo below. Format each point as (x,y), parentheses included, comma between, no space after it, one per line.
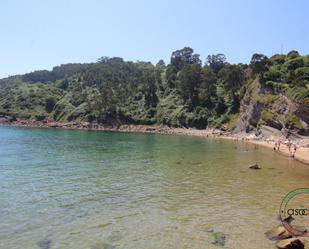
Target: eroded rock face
(250,111)
(262,106)
(292,243)
(303,113)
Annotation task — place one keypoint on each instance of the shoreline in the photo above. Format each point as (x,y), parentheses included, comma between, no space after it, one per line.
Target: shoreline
(302,154)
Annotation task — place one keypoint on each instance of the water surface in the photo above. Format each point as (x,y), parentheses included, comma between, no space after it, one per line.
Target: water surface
(82,189)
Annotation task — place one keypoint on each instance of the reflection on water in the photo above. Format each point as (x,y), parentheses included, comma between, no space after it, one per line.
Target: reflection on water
(79,189)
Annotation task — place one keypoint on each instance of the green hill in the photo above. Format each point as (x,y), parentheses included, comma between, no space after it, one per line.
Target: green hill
(184,93)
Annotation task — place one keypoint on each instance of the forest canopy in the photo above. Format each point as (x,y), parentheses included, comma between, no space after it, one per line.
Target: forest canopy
(188,91)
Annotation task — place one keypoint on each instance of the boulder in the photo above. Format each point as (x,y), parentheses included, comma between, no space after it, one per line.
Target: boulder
(278,233)
(12,119)
(254,166)
(292,243)
(219,239)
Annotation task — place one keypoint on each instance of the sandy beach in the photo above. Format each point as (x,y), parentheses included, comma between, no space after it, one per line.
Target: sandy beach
(302,153)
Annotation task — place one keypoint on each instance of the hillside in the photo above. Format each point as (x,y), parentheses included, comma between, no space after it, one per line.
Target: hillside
(184,93)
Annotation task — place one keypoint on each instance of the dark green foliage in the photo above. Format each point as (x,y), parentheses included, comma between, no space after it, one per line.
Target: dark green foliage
(292,54)
(216,61)
(184,56)
(59,72)
(277,59)
(64,84)
(189,79)
(207,88)
(298,94)
(50,103)
(258,63)
(184,93)
(293,64)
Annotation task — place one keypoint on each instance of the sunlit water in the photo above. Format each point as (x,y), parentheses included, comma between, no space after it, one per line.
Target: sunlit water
(81,189)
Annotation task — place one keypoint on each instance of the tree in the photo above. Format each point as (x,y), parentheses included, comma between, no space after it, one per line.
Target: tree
(188,82)
(278,59)
(216,61)
(50,104)
(160,63)
(293,64)
(184,56)
(207,88)
(151,98)
(258,63)
(292,54)
(170,76)
(232,77)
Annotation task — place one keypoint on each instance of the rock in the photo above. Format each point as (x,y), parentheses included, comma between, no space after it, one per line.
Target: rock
(44,244)
(278,233)
(151,129)
(219,239)
(53,125)
(292,243)
(12,119)
(254,166)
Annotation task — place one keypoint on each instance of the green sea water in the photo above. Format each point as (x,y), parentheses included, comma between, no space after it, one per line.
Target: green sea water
(87,189)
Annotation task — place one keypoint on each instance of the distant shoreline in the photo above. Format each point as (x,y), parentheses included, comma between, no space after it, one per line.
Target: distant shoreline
(302,154)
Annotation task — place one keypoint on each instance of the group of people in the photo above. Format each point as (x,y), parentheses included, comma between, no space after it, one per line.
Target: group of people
(291,147)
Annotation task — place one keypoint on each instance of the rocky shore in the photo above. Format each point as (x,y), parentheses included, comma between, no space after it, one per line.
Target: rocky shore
(268,137)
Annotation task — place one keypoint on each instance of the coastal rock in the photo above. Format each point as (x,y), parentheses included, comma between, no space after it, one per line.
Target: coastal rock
(11,119)
(219,239)
(292,243)
(278,233)
(255,166)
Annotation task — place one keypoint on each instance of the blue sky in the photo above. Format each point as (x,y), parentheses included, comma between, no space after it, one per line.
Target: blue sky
(36,34)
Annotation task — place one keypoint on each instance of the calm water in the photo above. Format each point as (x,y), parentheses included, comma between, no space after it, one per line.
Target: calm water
(79,189)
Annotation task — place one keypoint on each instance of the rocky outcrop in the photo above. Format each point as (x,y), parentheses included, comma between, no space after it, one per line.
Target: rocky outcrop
(302,113)
(292,243)
(250,112)
(254,166)
(262,106)
(278,233)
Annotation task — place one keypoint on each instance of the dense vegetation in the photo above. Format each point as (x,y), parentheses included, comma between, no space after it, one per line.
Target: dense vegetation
(183,93)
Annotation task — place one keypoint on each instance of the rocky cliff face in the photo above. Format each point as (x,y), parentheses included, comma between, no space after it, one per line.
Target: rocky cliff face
(302,112)
(260,106)
(250,112)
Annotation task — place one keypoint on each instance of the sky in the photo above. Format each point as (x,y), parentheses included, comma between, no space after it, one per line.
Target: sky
(36,34)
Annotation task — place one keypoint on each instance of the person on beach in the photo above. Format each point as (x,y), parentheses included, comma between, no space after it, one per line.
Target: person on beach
(289,145)
(279,142)
(294,148)
(275,147)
